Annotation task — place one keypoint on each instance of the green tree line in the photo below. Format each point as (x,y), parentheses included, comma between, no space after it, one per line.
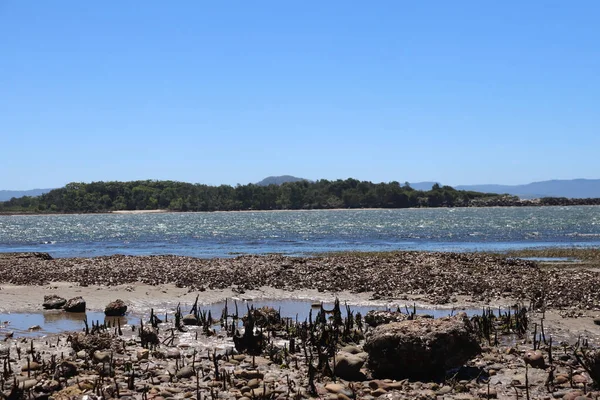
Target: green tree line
(179,196)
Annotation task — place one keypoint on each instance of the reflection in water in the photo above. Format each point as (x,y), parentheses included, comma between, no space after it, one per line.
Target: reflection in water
(299,309)
(52,321)
(57,316)
(550,259)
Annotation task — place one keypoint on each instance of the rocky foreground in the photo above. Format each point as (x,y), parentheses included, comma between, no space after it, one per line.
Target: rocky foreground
(385,355)
(436,277)
(260,355)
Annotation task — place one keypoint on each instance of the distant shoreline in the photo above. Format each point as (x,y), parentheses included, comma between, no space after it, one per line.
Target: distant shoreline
(163,211)
(159,211)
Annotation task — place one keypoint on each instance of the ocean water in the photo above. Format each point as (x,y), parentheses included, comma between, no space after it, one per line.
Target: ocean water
(226,234)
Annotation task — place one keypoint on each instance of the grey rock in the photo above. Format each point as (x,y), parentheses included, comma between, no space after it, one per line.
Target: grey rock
(53,302)
(173,353)
(189,319)
(28,384)
(115,308)
(76,304)
(185,372)
(535,359)
(348,365)
(101,356)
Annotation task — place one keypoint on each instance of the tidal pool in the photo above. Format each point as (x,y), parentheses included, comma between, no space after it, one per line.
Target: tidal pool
(56,321)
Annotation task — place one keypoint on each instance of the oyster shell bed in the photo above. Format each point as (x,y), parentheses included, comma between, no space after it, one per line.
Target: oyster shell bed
(436,277)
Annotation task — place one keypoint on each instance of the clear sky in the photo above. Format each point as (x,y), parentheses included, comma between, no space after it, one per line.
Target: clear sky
(460,92)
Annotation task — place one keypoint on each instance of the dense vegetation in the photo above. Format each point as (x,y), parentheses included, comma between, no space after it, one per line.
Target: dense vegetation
(179,196)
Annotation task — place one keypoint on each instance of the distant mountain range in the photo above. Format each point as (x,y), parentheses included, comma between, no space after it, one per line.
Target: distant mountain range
(9,194)
(572,188)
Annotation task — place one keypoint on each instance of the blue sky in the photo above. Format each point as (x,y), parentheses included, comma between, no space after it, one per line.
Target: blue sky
(460,92)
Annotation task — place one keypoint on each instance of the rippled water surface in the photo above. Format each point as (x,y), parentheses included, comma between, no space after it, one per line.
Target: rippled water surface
(301,232)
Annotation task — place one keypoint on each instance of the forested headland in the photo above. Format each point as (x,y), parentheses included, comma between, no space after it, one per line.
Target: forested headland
(99,197)
(179,196)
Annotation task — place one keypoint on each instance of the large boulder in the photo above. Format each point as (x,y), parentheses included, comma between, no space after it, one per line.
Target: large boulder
(115,308)
(53,302)
(76,304)
(421,348)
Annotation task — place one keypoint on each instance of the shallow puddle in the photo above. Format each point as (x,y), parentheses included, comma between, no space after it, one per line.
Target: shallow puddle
(300,309)
(549,259)
(53,322)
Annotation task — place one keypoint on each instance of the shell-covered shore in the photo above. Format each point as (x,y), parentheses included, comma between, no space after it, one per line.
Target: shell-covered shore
(436,277)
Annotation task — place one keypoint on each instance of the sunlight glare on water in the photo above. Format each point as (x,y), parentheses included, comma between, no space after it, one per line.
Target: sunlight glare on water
(222,234)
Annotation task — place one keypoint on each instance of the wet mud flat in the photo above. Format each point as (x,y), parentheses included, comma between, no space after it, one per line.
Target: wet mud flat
(541,344)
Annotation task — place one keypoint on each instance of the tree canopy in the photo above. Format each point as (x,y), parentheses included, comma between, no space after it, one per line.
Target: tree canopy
(179,196)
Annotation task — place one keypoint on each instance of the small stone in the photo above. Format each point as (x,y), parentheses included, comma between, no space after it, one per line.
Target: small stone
(253,383)
(101,356)
(31,366)
(561,379)
(190,319)
(142,354)
(444,390)
(535,359)
(348,365)
(245,389)
(185,372)
(28,384)
(173,353)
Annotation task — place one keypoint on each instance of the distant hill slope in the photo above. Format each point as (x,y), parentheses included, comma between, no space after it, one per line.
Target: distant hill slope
(9,194)
(572,188)
(278,180)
